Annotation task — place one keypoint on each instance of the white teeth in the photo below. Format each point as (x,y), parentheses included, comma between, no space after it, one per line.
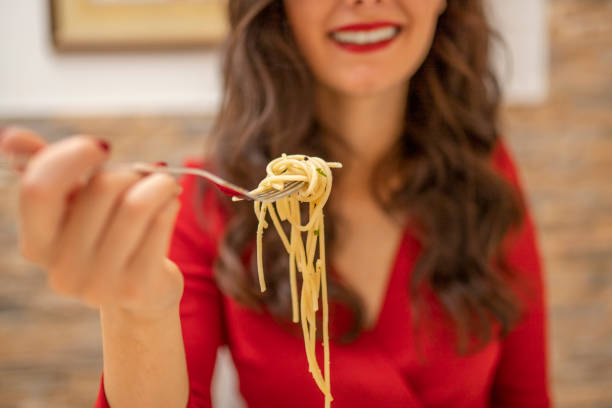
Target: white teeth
(365,37)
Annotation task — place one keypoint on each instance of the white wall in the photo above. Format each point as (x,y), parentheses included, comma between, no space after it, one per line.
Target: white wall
(34,80)
(524,27)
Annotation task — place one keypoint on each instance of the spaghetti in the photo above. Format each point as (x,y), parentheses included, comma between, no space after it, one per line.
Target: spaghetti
(317,177)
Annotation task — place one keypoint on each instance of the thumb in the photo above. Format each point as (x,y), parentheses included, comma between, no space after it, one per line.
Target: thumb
(16,140)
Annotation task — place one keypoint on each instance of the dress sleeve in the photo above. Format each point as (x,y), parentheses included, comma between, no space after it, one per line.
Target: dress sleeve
(193,250)
(521,379)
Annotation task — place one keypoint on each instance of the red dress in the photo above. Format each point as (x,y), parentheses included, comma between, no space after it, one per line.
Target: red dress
(383,368)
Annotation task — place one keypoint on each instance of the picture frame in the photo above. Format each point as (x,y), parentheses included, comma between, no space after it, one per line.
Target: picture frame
(116,25)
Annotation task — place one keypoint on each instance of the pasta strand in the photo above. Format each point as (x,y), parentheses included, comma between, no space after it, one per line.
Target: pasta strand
(316,174)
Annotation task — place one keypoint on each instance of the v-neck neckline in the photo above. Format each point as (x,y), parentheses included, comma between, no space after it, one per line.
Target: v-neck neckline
(391,277)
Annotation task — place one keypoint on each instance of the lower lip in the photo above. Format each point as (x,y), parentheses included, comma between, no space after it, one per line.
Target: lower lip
(364,47)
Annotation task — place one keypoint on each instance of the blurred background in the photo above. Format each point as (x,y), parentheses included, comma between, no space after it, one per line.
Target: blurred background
(96,67)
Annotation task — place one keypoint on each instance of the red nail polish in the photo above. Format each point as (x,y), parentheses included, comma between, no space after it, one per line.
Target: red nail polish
(161,164)
(104,145)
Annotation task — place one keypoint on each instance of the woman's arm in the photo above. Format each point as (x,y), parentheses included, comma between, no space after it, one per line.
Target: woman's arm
(155,362)
(522,376)
(521,379)
(144,361)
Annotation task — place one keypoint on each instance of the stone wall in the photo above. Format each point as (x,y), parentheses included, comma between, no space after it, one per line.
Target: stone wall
(50,348)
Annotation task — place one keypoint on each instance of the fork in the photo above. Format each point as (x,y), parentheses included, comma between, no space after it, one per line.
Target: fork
(230,189)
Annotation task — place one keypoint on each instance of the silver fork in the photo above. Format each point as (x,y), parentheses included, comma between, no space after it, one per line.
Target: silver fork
(225,186)
(8,162)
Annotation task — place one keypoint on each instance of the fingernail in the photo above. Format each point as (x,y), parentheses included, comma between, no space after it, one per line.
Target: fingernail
(161,164)
(104,145)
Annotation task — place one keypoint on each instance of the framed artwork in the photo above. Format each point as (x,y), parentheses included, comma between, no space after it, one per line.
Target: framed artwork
(89,25)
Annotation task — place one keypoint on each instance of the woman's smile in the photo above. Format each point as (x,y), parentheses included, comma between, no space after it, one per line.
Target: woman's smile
(366,36)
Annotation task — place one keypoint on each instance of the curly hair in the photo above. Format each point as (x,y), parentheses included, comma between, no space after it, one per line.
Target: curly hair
(463,207)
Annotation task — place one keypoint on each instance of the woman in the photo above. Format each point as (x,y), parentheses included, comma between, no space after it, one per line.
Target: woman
(435,279)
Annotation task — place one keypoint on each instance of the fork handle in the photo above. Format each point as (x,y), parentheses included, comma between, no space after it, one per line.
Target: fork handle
(18,161)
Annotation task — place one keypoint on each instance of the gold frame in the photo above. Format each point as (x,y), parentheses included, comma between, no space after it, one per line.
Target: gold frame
(84,25)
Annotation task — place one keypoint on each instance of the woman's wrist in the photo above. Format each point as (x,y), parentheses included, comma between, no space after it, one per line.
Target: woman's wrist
(123,315)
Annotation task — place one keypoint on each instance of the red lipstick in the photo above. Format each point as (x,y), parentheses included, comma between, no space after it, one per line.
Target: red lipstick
(371,46)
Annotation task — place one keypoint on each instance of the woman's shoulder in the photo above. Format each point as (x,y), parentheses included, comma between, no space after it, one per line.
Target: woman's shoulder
(504,162)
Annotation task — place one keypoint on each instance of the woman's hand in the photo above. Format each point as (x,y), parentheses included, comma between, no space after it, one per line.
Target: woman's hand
(103,240)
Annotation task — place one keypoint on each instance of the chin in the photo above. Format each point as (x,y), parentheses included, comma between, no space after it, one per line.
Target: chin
(363,86)
(356,81)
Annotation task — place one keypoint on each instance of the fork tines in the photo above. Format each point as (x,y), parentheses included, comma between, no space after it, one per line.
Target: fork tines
(273,194)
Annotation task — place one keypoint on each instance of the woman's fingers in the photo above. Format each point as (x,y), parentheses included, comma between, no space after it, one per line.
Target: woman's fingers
(87,216)
(146,268)
(102,235)
(92,208)
(156,241)
(51,175)
(131,217)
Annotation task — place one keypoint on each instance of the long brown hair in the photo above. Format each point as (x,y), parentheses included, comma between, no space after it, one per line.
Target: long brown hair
(447,184)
